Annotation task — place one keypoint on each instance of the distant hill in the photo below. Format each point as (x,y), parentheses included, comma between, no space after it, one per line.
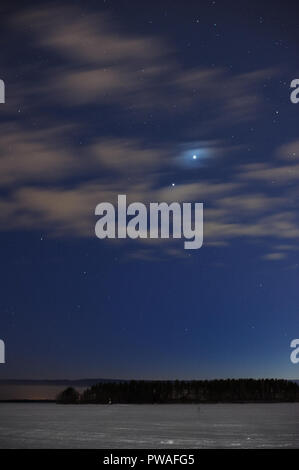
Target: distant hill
(14,389)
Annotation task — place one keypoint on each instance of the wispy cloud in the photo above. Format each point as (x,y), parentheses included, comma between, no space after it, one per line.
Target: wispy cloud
(50,182)
(101,63)
(274,256)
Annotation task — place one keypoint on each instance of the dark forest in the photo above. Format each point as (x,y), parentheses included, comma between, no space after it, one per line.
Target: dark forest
(195,391)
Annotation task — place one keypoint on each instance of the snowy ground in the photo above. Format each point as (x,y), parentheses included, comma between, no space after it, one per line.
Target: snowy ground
(149,426)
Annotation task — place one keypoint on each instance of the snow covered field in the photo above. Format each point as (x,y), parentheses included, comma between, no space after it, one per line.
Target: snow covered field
(149,426)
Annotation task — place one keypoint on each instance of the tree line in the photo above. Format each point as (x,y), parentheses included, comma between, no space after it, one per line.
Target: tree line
(179,391)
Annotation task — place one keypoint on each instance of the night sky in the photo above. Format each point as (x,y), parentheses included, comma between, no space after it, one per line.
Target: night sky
(115,97)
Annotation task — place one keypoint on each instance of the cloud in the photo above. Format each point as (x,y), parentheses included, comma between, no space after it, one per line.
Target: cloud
(98,62)
(270,173)
(51,183)
(40,155)
(274,256)
(200,192)
(128,155)
(90,38)
(228,225)
(289,151)
(231,98)
(286,247)
(101,63)
(252,203)
(65,207)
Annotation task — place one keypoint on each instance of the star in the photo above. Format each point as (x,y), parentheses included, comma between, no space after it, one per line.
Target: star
(194,157)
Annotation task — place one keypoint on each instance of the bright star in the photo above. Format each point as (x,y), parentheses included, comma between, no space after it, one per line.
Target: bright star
(194,157)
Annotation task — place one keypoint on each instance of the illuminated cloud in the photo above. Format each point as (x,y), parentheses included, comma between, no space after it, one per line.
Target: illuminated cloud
(50,181)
